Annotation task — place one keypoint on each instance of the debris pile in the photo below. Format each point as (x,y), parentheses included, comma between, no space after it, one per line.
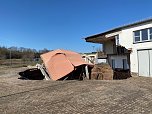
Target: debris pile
(31,74)
(121,74)
(102,72)
(105,72)
(62,65)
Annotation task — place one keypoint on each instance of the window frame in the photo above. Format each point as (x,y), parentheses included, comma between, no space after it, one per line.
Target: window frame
(150,34)
(124,62)
(140,35)
(113,63)
(137,36)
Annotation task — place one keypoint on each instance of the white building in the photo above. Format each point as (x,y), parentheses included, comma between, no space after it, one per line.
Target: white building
(90,57)
(128,47)
(93,58)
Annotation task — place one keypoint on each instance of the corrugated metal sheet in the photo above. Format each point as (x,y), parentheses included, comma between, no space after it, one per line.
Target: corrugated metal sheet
(61,62)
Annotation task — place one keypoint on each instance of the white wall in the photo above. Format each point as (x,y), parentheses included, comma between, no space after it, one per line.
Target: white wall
(119,60)
(101,61)
(108,47)
(90,56)
(126,39)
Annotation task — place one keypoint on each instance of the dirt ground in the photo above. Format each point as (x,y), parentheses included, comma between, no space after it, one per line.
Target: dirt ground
(130,96)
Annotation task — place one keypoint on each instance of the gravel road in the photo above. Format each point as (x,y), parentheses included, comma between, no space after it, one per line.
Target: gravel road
(130,96)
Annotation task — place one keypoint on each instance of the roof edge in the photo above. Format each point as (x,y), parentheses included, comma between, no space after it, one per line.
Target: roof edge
(120,28)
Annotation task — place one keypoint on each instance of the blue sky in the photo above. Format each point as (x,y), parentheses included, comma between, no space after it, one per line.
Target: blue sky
(55,24)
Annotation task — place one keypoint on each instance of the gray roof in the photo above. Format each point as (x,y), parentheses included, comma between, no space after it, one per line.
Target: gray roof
(121,27)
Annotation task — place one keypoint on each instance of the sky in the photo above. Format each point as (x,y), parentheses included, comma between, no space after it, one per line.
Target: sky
(62,24)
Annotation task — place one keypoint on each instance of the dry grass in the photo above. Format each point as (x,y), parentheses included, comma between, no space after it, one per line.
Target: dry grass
(16,63)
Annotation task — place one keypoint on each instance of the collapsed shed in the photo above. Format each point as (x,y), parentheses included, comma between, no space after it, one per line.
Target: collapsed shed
(59,65)
(64,64)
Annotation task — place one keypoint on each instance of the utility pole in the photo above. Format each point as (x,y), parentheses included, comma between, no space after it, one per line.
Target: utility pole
(10,57)
(93,48)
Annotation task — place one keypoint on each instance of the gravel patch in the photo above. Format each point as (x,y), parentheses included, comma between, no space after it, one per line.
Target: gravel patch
(130,96)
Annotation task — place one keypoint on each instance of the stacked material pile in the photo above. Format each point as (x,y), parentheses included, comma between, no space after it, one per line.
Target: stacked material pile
(102,72)
(121,74)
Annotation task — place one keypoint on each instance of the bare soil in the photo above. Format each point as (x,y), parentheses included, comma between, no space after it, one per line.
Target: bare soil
(129,96)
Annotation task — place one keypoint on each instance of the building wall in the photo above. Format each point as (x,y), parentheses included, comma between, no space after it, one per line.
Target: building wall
(90,56)
(101,61)
(126,39)
(108,47)
(118,61)
(94,58)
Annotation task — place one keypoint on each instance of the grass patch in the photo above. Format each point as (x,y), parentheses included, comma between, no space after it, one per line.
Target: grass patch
(15,63)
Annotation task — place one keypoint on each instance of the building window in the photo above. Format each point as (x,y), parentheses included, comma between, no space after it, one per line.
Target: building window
(117,40)
(124,64)
(143,35)
(150,33)
(113,63)
(137,36)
